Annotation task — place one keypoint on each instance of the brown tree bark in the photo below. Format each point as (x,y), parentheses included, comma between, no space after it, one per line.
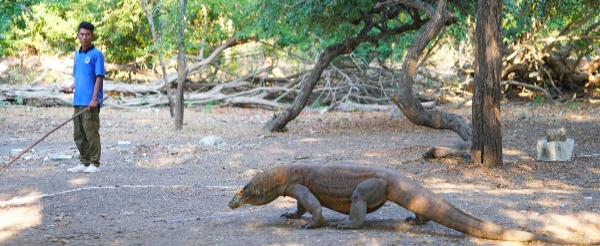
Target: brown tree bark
(486,147)
(404,99)
(181,68)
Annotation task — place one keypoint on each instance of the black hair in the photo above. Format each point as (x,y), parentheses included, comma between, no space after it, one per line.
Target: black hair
(86,25)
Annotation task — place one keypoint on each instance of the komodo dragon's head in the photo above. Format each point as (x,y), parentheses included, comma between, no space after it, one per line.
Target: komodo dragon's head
(260,190)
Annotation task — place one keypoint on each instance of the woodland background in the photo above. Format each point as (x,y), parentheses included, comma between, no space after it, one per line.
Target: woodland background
(259,53)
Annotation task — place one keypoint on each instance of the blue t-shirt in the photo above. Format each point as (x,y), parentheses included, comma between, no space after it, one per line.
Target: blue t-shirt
(88,65)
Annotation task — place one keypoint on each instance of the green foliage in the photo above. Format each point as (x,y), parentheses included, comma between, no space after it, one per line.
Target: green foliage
(306,27)
(208,106)
(122,30)
(145,100)
(318,105)
(575,105)
(539,99)
(17,75)
(311,25)
(520,16)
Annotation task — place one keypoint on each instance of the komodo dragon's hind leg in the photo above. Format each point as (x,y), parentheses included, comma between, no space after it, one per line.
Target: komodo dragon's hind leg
(368,194)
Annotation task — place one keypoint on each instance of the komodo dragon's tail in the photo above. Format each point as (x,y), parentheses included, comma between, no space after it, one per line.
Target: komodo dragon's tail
(423,202)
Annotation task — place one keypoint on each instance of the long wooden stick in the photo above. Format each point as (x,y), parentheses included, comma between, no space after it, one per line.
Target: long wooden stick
(5,166)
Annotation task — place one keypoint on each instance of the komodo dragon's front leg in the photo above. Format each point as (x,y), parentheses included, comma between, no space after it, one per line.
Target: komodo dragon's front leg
(306,202)
(370,193)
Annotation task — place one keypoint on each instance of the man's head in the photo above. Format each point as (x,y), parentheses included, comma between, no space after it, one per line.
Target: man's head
(85,34)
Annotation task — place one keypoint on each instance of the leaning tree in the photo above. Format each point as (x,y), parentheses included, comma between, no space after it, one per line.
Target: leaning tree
(344,25)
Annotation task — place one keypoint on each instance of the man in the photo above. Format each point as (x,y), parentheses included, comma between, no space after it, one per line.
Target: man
(88,73)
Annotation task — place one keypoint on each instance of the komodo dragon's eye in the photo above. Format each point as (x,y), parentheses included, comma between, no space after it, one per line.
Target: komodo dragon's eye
(246,188)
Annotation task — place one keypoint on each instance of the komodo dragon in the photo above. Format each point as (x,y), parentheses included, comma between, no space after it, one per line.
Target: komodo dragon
(357,190)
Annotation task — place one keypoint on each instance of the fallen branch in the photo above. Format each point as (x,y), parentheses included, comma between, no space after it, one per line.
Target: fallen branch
(548,95)
(442,152)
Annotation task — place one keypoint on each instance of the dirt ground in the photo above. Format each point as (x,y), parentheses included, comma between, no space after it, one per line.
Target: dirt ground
(170,189)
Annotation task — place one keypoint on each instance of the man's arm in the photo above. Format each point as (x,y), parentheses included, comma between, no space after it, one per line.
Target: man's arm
(97,86)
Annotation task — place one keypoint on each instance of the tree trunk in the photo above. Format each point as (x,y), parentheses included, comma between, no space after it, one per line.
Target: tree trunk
(410,106)
(486,147)
(160,56)
(279,122)
(181,68)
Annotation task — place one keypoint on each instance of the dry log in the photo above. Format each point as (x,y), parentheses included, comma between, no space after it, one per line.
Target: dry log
(441,152)
(352,107)
(548,95)
(593,66)
(519,69)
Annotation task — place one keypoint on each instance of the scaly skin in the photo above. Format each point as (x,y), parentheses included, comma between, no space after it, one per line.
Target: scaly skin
(357,190)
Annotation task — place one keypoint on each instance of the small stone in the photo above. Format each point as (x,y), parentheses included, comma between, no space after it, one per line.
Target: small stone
(212,141)
(251,173)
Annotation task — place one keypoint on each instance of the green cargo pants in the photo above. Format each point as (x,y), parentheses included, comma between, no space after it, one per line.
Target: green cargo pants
(86,135)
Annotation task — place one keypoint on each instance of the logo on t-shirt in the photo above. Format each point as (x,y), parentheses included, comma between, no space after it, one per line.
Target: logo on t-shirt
(87,60)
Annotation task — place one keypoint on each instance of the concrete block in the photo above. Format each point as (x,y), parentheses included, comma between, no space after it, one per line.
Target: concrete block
(123,146)
(555,150)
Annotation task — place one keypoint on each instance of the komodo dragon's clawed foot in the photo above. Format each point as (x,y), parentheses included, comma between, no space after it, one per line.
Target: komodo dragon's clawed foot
(291,215)
(415,220)
(348,224)
(313,224)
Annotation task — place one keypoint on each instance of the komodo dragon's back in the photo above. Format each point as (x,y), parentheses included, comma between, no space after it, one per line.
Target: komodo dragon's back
(359,189)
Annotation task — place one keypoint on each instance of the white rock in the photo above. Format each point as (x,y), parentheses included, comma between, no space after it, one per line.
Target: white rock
(212,140)
(15,151)
(57,157)
(251,173)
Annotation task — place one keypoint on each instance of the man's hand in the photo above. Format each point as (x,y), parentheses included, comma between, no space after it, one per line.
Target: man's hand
(93,104)
(66,89)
